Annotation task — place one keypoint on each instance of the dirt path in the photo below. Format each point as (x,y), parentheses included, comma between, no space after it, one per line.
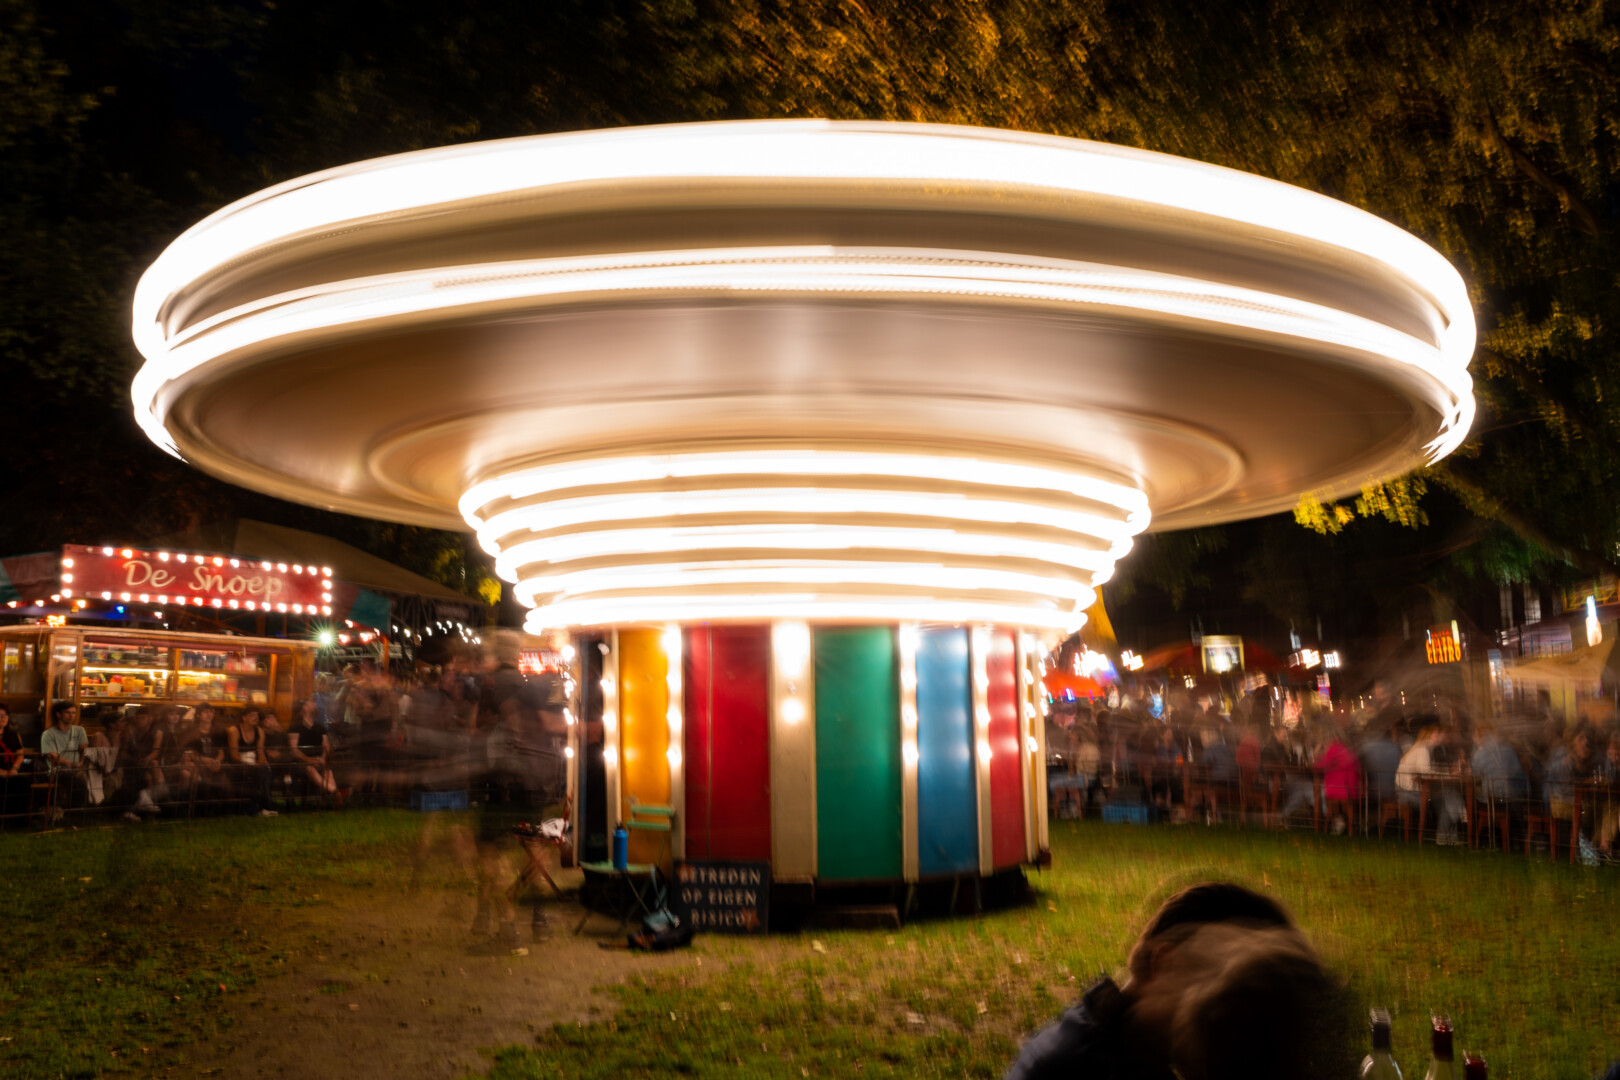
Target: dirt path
(380,984)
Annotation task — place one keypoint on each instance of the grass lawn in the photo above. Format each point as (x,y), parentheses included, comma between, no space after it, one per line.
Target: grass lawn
(131,932)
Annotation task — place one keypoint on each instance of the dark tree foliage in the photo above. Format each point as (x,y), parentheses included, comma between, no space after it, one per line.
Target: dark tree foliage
(1488,129)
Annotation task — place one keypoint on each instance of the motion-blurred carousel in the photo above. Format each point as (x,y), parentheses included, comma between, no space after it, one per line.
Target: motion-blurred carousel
(813,437)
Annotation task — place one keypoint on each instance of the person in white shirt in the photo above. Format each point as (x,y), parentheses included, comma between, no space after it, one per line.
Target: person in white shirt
(1418,762)
(63,744)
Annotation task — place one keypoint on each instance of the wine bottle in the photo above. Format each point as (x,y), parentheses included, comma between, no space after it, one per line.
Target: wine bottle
(1440,1065)
(1473,1067)
(1380,1064)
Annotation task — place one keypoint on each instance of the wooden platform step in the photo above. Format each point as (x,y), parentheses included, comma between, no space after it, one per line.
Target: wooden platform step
(858,917)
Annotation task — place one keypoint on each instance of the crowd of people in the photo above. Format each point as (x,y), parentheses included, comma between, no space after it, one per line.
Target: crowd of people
(364,733)
(1349,767)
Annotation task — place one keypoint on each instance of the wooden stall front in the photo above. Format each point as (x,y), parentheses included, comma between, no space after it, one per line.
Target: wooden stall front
(43,668)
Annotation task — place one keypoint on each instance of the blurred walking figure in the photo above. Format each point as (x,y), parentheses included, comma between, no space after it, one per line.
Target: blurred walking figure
(1222,985)
(520,774)
(1419,762)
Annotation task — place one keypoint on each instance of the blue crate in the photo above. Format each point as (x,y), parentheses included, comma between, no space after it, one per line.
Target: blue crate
(1115,814)
(438,800)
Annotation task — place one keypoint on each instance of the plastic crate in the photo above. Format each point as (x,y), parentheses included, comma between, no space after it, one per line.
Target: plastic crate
(1115,814)
(438,800)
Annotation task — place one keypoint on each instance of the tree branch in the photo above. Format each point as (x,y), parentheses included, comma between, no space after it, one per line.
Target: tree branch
(1457,478)
(1565,194)
(1531,383)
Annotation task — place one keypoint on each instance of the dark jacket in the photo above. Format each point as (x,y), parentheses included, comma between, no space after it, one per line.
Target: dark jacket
(1085,1044)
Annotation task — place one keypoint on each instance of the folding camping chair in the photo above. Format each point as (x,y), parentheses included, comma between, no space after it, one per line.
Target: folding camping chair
(639,888)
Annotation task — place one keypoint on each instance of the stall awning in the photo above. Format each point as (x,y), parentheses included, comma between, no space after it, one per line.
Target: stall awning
(28,578)
(1591,664)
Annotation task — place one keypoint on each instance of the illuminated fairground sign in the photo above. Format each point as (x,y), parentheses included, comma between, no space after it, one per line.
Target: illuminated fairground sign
(199,580)
(1222,653)
(1444,645)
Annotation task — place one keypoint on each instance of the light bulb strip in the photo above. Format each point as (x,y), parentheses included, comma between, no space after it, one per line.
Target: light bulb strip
(675,717)
(611,732)
(979,683)
(776,574)
(636,610)
(555,477)
(801,504)
(906,640)
(793,752)
(833,539)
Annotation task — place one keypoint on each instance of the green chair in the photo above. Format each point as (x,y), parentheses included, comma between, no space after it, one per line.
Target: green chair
(639,888)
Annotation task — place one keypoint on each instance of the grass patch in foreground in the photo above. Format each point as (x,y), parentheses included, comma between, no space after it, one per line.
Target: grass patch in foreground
(1521,953)
(122,942)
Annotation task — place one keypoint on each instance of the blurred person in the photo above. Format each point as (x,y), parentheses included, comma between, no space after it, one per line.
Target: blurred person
(1381,759)
(1609,775)
(1217,756)
(143,751)
(1341,778)
(143,747)
(207,738)
(1247,753)
(247,756)
(309,746)
(63,745)
(514,782)
(1087,760)
(1168,759)
(1417,763)
(1063,783)
(1496,766)
(1221,985)
(13,786)
(103,777)
(1580,764)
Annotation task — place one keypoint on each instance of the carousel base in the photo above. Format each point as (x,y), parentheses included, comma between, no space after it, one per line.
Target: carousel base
(828,758)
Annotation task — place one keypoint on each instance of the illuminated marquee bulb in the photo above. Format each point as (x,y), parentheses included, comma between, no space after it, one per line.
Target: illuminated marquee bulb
(985,753)
(791,645)
(908,714)
(908,751)
(792,710)
(610,756)
(673,719)
(1031,745)
(673,756)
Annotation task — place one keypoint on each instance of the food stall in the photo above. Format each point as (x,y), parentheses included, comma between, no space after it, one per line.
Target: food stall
(43,668)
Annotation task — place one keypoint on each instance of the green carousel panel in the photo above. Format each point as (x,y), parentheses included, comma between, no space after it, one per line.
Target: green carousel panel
(858,835)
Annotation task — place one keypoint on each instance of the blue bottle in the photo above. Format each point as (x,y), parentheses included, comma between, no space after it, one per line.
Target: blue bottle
(621,849)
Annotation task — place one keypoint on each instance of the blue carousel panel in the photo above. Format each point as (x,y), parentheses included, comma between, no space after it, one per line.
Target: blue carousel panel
(947,794)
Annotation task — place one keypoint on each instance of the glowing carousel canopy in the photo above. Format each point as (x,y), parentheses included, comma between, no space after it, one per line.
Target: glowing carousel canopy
(801,369)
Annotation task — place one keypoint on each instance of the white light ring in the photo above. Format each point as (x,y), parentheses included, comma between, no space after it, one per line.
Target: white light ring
(817,271)
(640,610)
(560,550)
(605,471)
(801,504)
(765,574)
(937,158)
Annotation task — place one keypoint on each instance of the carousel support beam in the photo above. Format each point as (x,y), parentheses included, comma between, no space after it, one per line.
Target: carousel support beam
(909,755)
(793,754)
(980,639)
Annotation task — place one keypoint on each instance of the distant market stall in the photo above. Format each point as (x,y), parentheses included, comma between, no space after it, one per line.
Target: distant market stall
(45,668)
(240,577)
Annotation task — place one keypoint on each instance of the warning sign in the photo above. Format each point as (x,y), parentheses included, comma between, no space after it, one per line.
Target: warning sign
(724,897)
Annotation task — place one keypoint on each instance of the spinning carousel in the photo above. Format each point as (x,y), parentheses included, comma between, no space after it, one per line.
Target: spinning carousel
(811,436)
